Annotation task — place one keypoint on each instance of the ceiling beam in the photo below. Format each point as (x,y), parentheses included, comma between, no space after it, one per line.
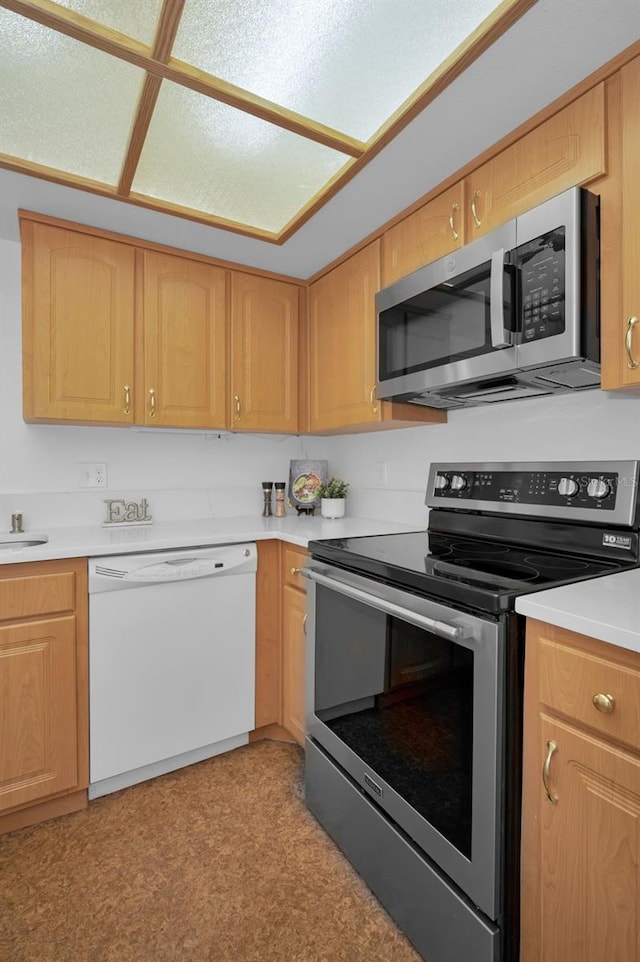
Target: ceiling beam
(110,41)
(165,35)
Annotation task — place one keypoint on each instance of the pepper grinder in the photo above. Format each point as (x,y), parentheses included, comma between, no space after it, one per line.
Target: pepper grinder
(280,509)
(267,487)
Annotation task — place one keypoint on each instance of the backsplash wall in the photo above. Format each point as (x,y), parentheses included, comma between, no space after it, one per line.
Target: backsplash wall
(584,426)
(189,475)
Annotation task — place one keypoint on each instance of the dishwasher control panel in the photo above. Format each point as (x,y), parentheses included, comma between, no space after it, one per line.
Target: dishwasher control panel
(117,572)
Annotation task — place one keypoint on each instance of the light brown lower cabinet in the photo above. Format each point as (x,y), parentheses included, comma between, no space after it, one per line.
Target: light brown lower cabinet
(281,602)
(294,616)
(581,800)
(44,758)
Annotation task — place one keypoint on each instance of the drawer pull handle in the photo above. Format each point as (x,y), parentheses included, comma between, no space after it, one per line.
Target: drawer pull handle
(236,398)
(152,403)
(294,571)
(127,398)
(372,401)
(304,624)
(551,748)
(604,703)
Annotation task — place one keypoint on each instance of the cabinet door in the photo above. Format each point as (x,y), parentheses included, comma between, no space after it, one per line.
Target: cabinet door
(424,236)
(78,316)
(38,721)
(620,216)
(342,343)
(566,150)
(293,666)
(264,354)
(584,903)
(184,310)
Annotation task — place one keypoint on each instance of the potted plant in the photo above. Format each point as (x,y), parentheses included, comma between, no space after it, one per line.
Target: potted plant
(332,494)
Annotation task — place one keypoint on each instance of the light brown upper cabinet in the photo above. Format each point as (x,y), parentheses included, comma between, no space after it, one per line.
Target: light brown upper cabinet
(342,352)
(264,354)
(620,191)
(183,383)
(78,326)
(127,334)
(429,233)
(566,150)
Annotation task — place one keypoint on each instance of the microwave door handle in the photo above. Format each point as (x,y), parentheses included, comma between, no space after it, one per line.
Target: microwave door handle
(440,628)
(499,334)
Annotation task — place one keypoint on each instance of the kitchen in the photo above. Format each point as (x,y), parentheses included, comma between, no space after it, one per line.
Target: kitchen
(387,470)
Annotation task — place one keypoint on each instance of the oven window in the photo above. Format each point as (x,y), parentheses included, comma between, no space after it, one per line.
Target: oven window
(401,698)
(448,323)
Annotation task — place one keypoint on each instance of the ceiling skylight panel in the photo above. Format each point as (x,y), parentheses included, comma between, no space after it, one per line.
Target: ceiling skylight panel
(63,104)
(349,64)
(134,18)
(209,157)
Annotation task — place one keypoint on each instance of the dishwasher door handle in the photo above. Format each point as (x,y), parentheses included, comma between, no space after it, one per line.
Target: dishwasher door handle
(440,628)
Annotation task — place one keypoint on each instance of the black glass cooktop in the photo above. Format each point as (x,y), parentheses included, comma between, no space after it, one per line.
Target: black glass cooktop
(483,574)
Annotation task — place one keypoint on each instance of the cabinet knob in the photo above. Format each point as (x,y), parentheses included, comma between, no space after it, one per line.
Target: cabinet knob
(295,571)
(631,362)
(604,703)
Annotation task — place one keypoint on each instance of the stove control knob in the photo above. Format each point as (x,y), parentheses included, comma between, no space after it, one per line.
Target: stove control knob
(568,487)
(597,488)
(458,482)
(442,482)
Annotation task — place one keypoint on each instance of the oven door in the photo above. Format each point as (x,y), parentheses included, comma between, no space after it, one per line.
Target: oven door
(405,695)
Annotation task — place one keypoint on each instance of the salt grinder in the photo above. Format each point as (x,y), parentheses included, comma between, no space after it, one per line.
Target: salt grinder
(280,509)
(267,487)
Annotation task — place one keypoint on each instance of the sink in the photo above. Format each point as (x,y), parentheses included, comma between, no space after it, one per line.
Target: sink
(14,542)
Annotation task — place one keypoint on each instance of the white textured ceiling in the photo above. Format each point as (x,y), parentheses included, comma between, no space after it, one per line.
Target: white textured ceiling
(551,48)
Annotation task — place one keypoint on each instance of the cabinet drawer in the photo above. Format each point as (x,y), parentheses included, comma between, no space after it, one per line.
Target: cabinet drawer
(569,679)
(292,560)
(36,595)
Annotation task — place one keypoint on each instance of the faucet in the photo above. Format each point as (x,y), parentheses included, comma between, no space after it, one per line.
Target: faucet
(16,523)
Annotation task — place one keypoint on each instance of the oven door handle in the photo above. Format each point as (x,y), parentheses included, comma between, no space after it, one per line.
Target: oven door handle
(440,628)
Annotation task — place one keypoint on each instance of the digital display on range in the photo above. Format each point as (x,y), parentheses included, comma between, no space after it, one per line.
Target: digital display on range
(530,487)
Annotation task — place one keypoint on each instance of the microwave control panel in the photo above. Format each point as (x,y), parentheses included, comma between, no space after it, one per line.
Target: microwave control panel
(541,272)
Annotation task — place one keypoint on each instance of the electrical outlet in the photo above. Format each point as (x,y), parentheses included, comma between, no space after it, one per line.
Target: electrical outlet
(93,474)
(382,472)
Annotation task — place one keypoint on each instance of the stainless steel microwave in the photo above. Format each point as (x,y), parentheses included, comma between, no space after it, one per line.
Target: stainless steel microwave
(514,314)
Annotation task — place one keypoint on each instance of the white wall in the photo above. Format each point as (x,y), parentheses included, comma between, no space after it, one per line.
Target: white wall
(187,475)
(584,426)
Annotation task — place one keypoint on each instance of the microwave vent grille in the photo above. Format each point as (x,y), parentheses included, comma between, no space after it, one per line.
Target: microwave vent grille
(574,376)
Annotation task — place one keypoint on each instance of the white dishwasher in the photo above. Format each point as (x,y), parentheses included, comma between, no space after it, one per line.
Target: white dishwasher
(171,660)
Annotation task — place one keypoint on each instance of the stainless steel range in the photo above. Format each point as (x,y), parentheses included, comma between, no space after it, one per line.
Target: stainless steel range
(415,681)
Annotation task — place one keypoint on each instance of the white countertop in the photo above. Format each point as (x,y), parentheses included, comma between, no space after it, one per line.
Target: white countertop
(606,608)
(92,541)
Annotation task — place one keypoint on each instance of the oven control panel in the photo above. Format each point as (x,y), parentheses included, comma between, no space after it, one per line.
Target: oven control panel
(535,487)
(580,490)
